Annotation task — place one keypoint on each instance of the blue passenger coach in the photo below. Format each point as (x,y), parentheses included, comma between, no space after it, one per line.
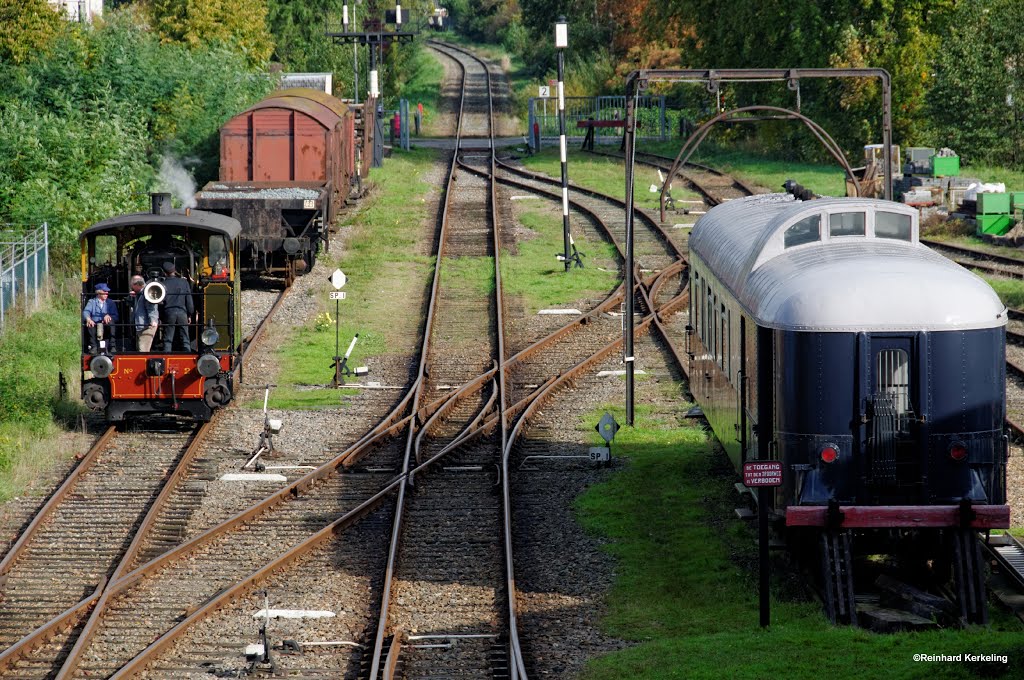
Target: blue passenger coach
(824,335)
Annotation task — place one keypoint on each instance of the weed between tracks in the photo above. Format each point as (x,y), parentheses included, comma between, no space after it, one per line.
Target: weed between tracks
(387,274)
(605,175)
(540,279)
(686,588)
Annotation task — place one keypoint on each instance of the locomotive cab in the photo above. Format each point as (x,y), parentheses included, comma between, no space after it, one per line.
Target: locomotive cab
(168,343)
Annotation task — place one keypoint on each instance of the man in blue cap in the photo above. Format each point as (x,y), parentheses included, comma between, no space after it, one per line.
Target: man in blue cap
(100,315)
(178,308)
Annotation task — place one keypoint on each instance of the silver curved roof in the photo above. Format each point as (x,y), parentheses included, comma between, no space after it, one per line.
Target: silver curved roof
(839,284)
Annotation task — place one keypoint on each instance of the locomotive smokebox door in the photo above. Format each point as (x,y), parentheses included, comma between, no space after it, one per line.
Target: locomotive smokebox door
(155,367)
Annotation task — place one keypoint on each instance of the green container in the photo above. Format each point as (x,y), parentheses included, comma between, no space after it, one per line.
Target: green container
(993,204)
(996,225)
(945,166)
(1017,200)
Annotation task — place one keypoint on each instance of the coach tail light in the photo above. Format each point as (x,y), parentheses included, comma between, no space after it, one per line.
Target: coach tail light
(829,453)
(958,451)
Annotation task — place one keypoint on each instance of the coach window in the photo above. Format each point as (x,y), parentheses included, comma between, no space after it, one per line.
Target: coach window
(217,258)
(726,340)
(713,320)
(892,225)
(893,371)
(807,230)
(846,224)
(709,337)
(695,303)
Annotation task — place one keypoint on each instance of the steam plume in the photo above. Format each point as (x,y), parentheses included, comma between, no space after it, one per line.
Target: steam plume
(176,179)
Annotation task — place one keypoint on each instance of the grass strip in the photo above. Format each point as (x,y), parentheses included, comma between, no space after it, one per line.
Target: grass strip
(35,349)
(605,175)
(686,576)
(540,280)
(386,270)
(764,170)
(423,83)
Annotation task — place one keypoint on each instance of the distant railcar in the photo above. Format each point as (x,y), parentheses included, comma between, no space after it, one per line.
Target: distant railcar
(287,165)
(824,335)
(168,374)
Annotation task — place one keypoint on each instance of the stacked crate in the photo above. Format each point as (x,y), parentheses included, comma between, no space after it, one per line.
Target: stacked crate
(993,213)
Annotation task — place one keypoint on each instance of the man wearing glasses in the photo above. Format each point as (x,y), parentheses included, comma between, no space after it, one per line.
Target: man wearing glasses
(100,315)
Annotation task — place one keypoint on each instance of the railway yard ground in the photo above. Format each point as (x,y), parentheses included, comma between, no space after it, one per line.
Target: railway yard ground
(637,569)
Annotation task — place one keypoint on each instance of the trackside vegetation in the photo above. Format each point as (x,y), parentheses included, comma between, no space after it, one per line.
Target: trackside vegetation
(533,273)
(602,173)
(386,267)
(686,588)
(32,411)
(84,121)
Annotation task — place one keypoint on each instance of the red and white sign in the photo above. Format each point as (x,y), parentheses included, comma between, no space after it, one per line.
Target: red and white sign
(762,473)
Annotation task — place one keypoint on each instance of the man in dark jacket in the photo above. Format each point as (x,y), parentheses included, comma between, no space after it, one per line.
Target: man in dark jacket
(144,313)
(178,308)
(100,315)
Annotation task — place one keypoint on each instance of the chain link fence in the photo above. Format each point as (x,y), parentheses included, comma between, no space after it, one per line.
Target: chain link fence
(24,266)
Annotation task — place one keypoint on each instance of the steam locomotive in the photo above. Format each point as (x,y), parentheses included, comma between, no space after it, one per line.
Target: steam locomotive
(129,366)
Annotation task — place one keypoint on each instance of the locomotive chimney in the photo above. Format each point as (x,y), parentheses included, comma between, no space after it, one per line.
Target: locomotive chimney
(161,203)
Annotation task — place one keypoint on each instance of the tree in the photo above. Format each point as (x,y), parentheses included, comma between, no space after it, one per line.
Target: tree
(31,27)
(975,103)
(242,23)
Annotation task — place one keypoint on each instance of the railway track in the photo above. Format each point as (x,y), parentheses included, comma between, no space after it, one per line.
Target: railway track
(443,446)
(979,260)
(93,525)
(445,579)
(713,186)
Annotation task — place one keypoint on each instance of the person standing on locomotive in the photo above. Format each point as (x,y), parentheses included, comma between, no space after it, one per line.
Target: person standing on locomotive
(178,308)
(145,315)
(100,315)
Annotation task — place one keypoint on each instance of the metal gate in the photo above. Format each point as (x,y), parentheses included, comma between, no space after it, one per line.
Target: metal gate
(543,119)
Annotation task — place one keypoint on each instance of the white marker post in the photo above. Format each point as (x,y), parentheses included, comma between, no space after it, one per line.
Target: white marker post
(338,280)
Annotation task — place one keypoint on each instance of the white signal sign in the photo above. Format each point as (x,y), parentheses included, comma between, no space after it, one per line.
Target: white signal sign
(338,279)
(544,91)
(337,295)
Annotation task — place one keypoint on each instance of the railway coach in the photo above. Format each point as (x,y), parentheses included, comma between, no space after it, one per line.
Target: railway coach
(823,335)
(186,370)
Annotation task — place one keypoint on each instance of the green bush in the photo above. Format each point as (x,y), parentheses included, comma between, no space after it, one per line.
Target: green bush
(83,125)
(69,170)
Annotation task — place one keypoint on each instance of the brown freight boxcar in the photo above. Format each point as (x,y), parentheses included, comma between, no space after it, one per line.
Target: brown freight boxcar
(296,135)
(295,141)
